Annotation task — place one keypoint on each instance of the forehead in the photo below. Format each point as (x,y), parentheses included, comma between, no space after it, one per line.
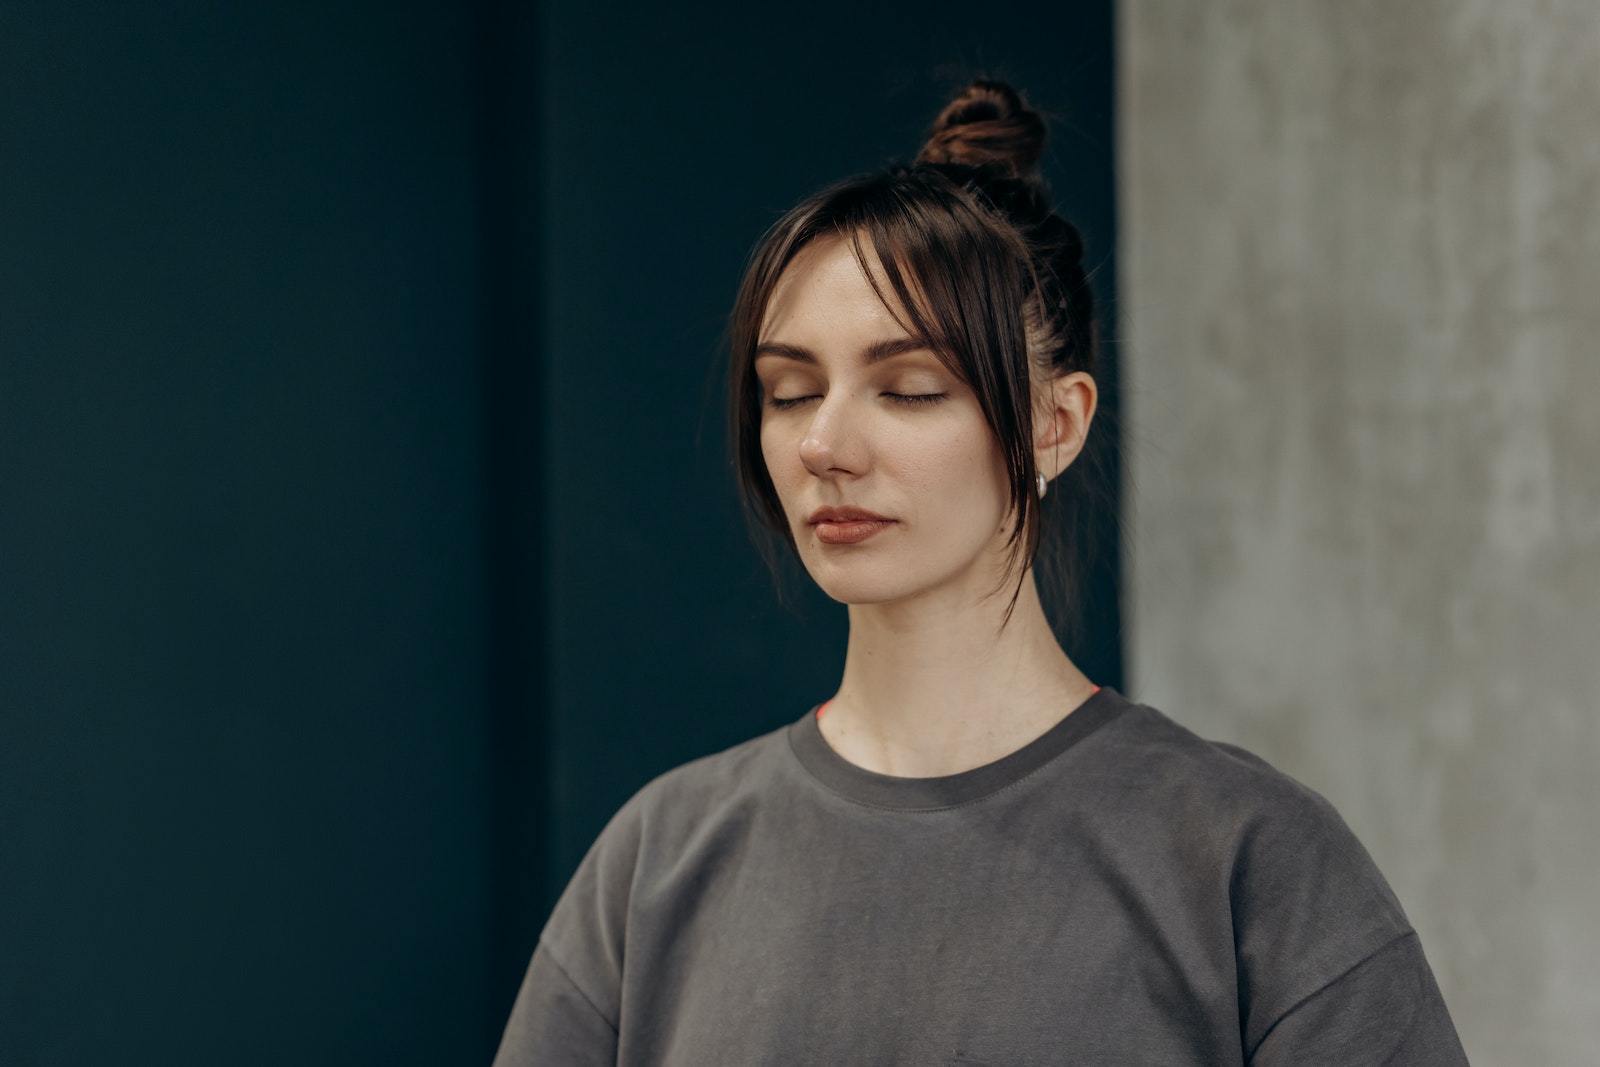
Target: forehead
(823,292)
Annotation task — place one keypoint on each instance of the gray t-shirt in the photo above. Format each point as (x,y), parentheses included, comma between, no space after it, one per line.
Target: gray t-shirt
(1117,891)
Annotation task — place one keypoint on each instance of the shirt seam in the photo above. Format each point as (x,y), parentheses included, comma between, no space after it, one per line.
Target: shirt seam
(1411,1028)
(1325,986)
(573,982)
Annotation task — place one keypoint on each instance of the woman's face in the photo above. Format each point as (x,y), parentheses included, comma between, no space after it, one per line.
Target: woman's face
(893,484)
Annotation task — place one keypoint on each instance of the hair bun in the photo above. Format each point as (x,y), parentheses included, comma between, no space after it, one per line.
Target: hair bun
(987,124)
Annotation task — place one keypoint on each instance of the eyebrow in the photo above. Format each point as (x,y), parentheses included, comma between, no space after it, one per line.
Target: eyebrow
(876,352)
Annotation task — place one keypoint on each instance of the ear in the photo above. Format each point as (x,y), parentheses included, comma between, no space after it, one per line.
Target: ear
(1063,409)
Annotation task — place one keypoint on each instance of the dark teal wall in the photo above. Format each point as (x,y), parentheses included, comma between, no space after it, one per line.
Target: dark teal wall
(366,536)
(242,592)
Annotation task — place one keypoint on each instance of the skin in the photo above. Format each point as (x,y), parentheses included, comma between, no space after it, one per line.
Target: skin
(932,684)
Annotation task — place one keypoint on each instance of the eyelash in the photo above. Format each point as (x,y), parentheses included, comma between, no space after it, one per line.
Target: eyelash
(913,400)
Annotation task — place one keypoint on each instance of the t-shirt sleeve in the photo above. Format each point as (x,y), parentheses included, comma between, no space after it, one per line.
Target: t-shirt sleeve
(569,1006)
(1385,1010)
(1329,968)
(554,1021)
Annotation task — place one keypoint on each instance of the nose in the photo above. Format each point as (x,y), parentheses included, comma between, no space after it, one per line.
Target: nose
(832,443)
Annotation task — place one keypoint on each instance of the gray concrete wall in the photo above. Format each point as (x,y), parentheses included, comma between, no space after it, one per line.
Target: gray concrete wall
(1361,298)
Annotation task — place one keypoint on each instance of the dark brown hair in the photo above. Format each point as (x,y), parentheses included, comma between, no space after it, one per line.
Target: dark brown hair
(986,273)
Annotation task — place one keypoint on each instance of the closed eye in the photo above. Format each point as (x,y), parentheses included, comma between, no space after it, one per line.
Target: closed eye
(786,402)
(783,403)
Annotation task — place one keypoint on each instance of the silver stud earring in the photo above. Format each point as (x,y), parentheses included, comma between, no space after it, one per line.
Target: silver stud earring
(1043,485)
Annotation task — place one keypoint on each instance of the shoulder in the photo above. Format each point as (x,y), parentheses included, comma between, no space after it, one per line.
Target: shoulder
(649,835)
(1165,748)
(674,805)
(1205,787)
(1307,902)
(1269,822)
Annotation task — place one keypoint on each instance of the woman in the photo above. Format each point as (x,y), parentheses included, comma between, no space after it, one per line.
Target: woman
(971,853)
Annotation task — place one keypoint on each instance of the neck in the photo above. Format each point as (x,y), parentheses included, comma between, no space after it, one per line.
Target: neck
(931,690)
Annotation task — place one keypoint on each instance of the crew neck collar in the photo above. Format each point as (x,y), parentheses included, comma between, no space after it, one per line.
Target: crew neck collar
(947,791)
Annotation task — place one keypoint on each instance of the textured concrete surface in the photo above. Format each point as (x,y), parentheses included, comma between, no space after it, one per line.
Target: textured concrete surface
(1361,295)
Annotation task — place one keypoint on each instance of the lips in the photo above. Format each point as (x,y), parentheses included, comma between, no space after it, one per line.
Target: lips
(846,514)
(847,525)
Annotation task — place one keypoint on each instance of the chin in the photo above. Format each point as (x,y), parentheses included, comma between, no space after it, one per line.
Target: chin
(862,581)
(857,581)
(852,594)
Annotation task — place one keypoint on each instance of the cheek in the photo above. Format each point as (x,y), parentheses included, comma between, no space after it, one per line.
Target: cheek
(974,457)
(768,447)
(962,473)
(777,459)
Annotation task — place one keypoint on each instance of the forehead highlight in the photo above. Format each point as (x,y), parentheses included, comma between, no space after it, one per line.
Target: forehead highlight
(865,265)
(856,248)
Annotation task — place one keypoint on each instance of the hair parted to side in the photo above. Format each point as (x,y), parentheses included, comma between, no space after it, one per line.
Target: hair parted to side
(984,271)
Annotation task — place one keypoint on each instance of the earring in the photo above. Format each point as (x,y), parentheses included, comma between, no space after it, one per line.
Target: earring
(1043,485)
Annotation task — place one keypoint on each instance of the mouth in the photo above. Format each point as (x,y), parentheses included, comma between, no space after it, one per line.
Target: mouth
(848,525)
